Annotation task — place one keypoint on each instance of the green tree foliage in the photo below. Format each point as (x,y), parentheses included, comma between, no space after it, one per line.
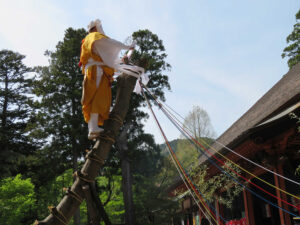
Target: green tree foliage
(59,124)
(297,118)
(59,120)
(143,152)
(153,205)
(51,192)
(112,198)
(14,112)
(298,170)
(292,51)
(152,200)
(149,53)
(17,201)
(211,185)
(197,123)
(187,153)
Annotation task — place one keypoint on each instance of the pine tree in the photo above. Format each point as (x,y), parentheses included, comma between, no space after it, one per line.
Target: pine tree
(14,112)
(149,53)
(140,156)
(292,51)
(59,113)
(58,87)
(59,120)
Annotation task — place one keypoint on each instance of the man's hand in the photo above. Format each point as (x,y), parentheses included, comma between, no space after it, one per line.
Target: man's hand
(125,59)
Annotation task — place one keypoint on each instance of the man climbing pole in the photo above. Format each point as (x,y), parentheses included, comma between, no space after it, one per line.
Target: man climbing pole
(99,60)
(129,78)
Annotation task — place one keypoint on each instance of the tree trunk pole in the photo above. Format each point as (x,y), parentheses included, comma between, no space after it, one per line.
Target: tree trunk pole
(96,157)
(127,191)
(126,176)
(76,216)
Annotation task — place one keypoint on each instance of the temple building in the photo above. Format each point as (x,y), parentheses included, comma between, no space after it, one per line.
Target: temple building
(267,135)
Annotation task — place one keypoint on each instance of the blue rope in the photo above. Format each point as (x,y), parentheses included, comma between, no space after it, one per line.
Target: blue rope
(202,195)
(223,171)
(170,149)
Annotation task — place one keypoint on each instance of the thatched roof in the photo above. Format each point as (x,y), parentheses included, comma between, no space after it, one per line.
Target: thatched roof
(281,99)
(282,95)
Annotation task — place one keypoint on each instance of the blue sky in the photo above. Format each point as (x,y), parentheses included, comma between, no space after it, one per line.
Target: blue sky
(224,54)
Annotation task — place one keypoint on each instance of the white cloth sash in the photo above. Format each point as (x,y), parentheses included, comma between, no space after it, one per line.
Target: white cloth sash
(129,69)
(92,62)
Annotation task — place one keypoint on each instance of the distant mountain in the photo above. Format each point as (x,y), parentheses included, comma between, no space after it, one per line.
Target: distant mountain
(174,144)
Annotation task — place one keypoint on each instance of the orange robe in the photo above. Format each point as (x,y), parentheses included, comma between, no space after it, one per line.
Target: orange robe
(95,100)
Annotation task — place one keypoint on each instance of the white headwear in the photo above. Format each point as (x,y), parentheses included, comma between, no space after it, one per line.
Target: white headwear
(96,23)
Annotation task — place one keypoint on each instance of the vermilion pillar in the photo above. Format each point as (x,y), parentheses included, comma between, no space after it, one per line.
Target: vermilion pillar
(248,208)
(279,182)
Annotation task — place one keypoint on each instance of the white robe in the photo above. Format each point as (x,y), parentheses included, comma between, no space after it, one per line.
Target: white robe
(109,51)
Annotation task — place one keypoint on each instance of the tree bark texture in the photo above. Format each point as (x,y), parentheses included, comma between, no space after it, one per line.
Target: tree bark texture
(126,177)
(93,217)
(75,168)
(127,191)
(75,161)
(95,158)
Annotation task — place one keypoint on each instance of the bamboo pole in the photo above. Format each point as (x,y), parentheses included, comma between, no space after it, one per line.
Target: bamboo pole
(95,158)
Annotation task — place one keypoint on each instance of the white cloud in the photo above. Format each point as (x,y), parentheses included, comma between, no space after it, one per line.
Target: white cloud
(30,27)
(218,62)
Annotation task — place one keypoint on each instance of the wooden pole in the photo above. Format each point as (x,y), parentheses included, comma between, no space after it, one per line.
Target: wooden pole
(126,176)
(93,215)
(279,182)
(278,201)
(96,157)
(248,204)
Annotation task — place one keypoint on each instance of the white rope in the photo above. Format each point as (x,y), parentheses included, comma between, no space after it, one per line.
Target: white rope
(256,164)
(134,71)
(180,174)
(295,182)
(197,202)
